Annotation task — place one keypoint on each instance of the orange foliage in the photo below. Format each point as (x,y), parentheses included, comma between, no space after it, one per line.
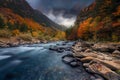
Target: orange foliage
(116,24)
(15,18)
(34,25)
(35,34)
(10,16)
(84,27)
(16,32)
(117,13)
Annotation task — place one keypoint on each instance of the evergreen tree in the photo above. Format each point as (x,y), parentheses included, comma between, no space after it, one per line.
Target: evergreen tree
(1,23)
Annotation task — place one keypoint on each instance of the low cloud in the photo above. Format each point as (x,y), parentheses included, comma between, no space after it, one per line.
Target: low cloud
(60,19)
(62,12)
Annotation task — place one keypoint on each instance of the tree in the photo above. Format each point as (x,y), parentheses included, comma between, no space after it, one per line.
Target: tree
(1,23)
(23,28)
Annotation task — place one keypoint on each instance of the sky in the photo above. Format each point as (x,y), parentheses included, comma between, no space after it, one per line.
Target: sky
(63,12)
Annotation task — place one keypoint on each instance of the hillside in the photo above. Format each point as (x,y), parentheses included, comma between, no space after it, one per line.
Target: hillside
(22,8)
(100,22)
(18,18)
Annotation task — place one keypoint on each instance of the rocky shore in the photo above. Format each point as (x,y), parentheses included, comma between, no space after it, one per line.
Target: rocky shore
(17,42)
(100,59)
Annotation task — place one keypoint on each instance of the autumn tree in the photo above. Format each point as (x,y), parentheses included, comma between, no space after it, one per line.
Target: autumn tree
(83,30)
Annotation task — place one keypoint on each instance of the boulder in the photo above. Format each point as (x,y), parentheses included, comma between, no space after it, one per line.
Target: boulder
(102,70)
(75,63)
(116,52)
(68,59)
(104,48)
(88,50)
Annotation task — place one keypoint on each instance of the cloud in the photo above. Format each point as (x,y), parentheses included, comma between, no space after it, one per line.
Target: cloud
(60,19)
(63,12)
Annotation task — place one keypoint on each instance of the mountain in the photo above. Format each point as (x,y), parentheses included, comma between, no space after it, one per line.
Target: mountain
(18,17)
(22,8)
(98,21)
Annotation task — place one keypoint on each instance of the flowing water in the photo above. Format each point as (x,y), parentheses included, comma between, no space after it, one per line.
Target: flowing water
(37,62)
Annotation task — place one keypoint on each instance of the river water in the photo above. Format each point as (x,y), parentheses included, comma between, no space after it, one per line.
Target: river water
(37,62)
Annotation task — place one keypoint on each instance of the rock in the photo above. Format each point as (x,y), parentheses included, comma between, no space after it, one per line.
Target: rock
(53,48)
(92,78)
(75,64)
(15,44)
(118,47)
(68,49)
(86,59)
(98,68)
(68,59)
(104,48)
(88,50)
(4,46)
(116,52)
(98,77)
(60,50)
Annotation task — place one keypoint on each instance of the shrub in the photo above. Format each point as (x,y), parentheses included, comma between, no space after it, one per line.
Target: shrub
(35,34)
(25,37)
(16,32)
(5,34)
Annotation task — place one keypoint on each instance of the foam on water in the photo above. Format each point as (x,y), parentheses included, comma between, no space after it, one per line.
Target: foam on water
(4,57)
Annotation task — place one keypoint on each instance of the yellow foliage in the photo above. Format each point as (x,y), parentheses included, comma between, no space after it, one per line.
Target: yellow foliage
(16,32)
(60,35)
(35,34)
(5,34)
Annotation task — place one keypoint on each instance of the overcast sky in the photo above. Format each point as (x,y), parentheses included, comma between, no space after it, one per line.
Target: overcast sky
(63,12)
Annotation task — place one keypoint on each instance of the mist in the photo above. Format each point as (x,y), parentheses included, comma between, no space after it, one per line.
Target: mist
(62,12)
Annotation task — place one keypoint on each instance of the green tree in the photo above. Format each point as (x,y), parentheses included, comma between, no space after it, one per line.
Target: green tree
(23,28)
(1,23)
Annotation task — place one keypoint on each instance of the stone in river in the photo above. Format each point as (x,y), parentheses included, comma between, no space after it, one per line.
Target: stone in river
(68,59)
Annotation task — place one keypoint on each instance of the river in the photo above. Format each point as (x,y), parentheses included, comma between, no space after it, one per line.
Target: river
(37,62)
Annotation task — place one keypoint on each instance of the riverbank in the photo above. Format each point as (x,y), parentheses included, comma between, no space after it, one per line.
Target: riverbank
(37,62)
(97,58)
(14,42)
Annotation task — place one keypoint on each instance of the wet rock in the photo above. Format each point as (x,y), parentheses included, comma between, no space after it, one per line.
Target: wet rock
(4,46)
(75,63)
(68,49)
(53,48)
(60,50)
(96,77)
(68,59)
(15,44)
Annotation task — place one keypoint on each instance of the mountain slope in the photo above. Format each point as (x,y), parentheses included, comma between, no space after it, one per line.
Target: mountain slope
(17,17)
(99,21)
(22,8)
